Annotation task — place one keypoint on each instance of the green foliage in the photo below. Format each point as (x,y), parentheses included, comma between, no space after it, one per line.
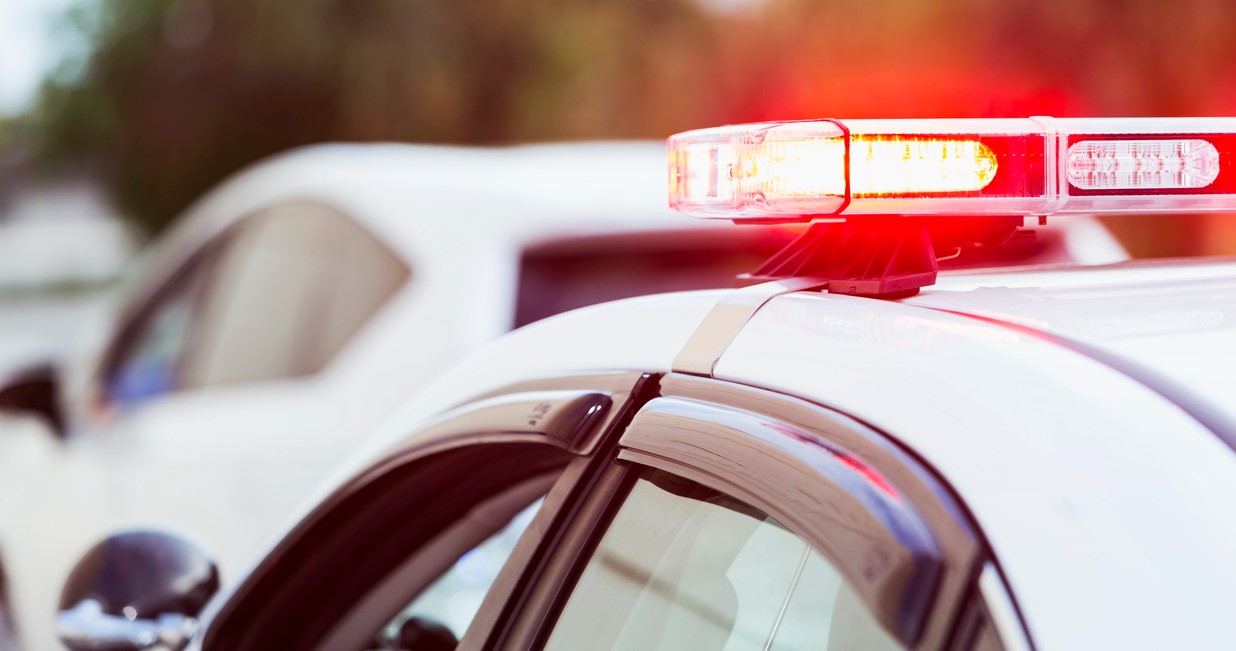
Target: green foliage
(172,95)
(176,95)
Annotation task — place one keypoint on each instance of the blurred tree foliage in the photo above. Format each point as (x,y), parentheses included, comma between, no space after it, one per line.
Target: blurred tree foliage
(173,95)
(176,95)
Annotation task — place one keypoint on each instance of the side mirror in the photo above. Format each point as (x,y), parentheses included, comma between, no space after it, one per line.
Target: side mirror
(35,391)
(136,590)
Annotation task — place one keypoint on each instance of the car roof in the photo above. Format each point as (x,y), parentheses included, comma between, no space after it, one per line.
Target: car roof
(1171,323)
(1072,467)
(1091,484)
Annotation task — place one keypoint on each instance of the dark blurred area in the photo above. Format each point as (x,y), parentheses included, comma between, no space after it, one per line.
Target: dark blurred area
(166,98)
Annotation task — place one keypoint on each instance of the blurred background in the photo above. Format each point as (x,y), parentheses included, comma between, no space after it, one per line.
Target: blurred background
(116,114)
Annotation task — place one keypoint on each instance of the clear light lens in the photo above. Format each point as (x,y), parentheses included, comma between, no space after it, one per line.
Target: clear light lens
(1142,164)
(791,168)
(895,165)
(758,170)
(696,175)
(879,165)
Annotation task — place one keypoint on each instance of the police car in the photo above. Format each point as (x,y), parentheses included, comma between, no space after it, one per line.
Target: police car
(853,451)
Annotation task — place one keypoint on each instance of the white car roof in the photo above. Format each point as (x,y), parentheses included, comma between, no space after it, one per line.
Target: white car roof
(1107,504)
(1169,322)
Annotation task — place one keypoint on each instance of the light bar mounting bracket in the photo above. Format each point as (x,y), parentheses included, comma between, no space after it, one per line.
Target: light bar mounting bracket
(880,256)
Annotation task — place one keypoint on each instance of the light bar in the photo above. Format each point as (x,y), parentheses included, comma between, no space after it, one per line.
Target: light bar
(1032,166)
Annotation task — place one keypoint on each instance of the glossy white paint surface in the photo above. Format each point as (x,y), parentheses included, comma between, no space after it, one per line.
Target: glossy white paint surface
(1179,320)
(1108,508)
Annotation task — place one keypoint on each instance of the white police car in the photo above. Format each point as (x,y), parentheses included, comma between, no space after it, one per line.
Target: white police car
(1013,459)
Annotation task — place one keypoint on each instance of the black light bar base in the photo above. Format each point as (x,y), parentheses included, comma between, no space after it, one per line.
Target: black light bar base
(879,256)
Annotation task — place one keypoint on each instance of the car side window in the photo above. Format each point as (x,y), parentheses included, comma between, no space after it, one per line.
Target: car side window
(684,566)
(148,357)
(276,296)
(296,284)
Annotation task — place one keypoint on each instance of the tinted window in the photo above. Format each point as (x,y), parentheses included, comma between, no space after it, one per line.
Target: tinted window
(682,566)
(572,273)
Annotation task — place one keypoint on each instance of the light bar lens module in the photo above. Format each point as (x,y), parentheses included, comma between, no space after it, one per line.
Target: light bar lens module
(897,165)
(1142,164)
(781,169)
(1033,166)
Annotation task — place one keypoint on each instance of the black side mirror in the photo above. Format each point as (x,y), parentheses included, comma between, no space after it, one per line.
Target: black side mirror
(35,391)
(136,590)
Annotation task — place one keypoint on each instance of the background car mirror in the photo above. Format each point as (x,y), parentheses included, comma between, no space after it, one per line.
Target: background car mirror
(136,590)
(35,391)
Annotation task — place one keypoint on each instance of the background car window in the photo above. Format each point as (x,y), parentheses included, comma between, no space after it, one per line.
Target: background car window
(295,284)
(574,272)
(682,566)
(276,296)
(149,354)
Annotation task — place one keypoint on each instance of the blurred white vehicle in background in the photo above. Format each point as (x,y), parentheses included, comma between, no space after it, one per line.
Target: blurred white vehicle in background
(295,306)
